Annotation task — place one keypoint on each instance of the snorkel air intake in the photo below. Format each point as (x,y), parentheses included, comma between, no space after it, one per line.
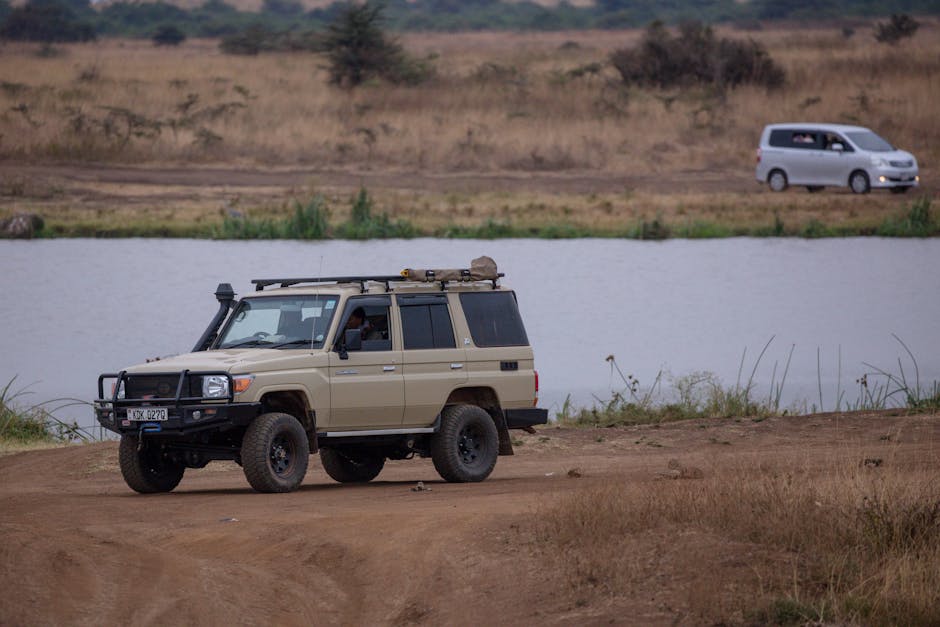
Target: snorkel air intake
(226,297)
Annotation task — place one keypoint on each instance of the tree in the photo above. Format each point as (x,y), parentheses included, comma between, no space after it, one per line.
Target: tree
(358,49)
(168,35)
(48,21)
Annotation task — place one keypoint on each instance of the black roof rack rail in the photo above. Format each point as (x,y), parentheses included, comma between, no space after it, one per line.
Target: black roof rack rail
(260,284)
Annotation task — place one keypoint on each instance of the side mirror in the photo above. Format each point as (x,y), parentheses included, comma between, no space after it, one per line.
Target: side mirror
(838,147)
(352,341)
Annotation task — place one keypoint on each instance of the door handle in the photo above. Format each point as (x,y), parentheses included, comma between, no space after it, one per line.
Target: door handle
(388,368)
(456,366)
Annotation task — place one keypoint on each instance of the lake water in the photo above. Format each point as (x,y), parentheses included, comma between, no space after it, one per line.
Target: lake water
(73,308)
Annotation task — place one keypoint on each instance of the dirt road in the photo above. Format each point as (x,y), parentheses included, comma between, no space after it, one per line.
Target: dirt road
(78,547)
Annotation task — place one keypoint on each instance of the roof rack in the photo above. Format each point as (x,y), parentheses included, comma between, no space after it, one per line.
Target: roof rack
(260,284)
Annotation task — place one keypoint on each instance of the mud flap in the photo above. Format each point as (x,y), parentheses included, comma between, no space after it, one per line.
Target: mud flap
(505,442)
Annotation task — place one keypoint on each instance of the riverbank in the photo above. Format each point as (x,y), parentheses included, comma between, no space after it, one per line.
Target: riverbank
(97,200)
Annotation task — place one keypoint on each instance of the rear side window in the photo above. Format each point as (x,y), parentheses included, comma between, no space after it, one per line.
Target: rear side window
(426,325)
(789,138)
(493,318)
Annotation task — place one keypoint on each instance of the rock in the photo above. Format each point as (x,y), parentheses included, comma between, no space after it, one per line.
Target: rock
(872,462)
(575,473)
(22,226)
(420,487)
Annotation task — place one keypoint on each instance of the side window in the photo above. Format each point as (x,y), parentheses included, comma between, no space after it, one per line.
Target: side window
(780,139)
(832,138)
(425,321)
(370,316)
(804,139)
(493,318)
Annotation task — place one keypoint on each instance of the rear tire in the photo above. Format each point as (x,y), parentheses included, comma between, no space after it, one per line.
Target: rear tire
(275,452)
(777,180)
(859,183)
(350,467)
(466,447)
(149,470)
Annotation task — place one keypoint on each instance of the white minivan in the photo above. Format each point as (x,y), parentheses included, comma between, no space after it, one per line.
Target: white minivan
(832,155)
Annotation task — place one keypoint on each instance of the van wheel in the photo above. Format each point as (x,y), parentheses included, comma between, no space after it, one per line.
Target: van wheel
(466,447)
(777,180)
(275,452)
(812,189)
(348,467)
(859,182)
(149,469)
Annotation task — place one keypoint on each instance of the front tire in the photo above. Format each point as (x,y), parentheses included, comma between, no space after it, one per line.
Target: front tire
(859,182)
(777,180)
(148,470)
(349,467)
(275,452)
(466,447)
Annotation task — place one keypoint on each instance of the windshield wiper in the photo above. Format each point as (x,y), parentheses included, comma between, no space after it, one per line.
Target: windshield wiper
(251,342)
(289,343)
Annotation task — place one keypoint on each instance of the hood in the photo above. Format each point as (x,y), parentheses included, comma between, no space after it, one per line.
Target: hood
(236,361)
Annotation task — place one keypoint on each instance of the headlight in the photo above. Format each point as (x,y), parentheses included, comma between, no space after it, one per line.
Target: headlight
(878,162)
(215,386)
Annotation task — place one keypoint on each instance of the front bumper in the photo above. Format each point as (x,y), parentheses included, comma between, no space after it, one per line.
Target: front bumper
(882,178)
(181,420)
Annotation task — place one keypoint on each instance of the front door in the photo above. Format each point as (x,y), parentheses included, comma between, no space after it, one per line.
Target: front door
(367,388)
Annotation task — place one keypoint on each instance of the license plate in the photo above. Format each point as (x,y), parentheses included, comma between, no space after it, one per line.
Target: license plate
(906,177)
(146,414)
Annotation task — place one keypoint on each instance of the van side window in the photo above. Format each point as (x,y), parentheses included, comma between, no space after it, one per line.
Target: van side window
(832,138)
(493,318)
(804,139)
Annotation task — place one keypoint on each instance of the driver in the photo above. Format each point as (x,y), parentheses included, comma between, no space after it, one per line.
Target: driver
(358,320)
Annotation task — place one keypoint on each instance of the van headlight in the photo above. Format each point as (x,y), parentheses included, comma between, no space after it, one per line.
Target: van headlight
(878,162)
(215,386)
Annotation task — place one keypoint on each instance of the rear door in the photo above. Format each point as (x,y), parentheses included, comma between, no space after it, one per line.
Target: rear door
(433,363)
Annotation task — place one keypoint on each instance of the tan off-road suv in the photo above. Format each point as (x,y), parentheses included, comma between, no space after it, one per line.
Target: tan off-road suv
(434,363)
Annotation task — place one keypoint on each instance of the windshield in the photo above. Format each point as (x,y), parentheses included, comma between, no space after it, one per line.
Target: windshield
(866,140)
(279,322)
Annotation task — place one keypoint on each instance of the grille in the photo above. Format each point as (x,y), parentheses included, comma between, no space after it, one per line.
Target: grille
(901,164)
(160,386)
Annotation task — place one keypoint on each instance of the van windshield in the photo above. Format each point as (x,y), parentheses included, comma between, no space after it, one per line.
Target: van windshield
(866,140)
(278,322)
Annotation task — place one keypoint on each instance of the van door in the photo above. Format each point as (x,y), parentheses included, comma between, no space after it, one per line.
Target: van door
(803,157)
(835,165)
(433,364)
(367,389)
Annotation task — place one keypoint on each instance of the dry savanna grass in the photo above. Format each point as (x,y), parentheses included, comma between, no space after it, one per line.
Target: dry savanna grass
(500,102)
(848,540)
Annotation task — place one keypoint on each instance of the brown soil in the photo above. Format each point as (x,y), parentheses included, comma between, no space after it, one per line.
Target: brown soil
(78,547)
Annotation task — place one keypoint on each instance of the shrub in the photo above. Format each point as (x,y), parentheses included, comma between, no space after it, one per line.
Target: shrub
(168,35)
(695,57)
(900,26)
